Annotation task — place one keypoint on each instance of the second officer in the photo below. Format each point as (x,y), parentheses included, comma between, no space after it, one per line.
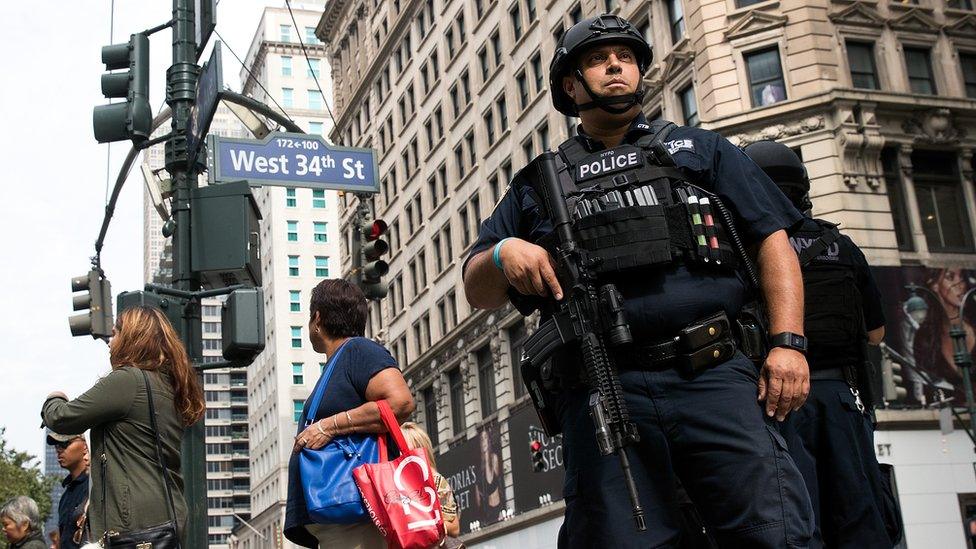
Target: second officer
(647,200)
(832,437)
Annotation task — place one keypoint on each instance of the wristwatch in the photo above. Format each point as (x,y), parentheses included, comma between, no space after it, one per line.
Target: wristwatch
(790,341)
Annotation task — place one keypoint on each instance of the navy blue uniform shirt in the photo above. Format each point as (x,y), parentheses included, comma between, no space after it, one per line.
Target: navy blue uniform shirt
(71,507)
(361,359)
(660,301)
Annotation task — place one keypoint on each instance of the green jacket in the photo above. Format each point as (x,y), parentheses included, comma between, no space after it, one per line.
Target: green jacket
(123,449)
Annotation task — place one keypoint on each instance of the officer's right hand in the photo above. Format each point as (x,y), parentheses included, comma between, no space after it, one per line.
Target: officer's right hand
(530,269)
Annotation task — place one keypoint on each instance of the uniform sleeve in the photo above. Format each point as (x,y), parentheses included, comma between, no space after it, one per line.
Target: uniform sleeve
(758,205)
(369,359)
(502,223)
(870,294)
(109,400)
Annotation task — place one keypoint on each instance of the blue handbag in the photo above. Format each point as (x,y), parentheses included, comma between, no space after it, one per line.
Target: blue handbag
(331,495)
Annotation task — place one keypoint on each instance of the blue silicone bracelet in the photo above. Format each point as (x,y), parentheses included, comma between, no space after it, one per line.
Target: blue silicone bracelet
(496,254)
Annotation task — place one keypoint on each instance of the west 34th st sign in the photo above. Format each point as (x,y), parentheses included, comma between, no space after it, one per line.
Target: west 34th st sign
(293,160)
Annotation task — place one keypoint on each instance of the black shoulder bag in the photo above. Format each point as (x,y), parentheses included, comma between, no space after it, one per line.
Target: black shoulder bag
(163,536)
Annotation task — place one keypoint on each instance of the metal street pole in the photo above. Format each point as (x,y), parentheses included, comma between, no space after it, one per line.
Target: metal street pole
(181,83)
(963,360)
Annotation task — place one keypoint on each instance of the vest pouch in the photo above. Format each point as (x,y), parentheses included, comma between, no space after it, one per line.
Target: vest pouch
(833,321)
(626,238)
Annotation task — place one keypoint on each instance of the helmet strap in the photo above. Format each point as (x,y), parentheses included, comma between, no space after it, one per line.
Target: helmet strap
(618,104)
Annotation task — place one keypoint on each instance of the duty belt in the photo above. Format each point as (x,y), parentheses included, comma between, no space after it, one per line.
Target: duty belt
(700,345)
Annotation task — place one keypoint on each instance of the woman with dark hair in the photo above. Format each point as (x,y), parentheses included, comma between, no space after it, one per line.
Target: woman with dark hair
(364,373)
(127,486)
(933,350)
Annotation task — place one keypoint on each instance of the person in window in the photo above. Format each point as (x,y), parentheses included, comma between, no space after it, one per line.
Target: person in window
(363,374)
(127,491)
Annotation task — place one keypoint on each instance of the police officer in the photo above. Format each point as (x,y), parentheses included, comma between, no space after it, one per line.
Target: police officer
(710,420)
(831,436)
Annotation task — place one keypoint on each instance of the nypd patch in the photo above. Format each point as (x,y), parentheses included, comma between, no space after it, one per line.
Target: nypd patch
(680,145)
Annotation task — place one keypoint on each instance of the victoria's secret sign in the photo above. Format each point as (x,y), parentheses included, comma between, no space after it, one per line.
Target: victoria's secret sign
(532,487)
(474,471)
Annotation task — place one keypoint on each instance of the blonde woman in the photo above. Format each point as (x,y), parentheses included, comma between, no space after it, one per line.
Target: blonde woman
(416,437)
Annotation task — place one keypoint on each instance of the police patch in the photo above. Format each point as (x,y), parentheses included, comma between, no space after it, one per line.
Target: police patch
(617,159)
(679,145)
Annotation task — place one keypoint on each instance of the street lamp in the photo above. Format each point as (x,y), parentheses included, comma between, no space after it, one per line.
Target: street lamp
(960,355)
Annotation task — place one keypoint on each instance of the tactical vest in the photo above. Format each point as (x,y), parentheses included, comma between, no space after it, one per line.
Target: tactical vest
(632,208)
(833,308)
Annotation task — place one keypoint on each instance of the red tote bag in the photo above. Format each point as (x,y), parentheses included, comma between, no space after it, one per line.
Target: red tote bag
(400,495)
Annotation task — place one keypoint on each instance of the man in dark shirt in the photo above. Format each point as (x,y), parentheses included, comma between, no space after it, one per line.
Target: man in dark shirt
(705,427)
(831,437)
(72,455)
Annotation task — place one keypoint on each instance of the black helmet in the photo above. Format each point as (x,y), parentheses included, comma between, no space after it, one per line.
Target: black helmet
(785,168)
(582,36)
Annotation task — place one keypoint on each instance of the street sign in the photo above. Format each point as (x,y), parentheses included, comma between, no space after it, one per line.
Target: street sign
(293,160)
(205,17)
(209,85)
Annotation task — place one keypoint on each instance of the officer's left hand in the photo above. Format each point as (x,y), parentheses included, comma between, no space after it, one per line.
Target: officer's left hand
(784,382)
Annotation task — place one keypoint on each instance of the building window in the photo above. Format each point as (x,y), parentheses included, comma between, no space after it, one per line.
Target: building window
(310,37)
(321,266)
(292,231)
(523,89)
(456,386)
(860,57)
(515,16)
(486,381)
(896,199)
(295,300)
(489,118)
(315,128)
(766,83)
(296,337)
(969,72)
(297,373)
(430,413)
(319,231)
(290,200)
(543,133)
(919,63)
(318,201)
(676,17)
(285,65)
(516,338)
(502,109)
(285,32)
(961,4)
(312,70)
(689,106)
(299,405)
(941,203)
(314,100)
(287,97)
(744,3)
(540,78)
(293,265)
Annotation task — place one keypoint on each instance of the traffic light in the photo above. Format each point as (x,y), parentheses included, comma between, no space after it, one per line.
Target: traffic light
(538,463)
(242,318)
(374,268)
(171,306)
(97,298)
(892,381)
(131,119)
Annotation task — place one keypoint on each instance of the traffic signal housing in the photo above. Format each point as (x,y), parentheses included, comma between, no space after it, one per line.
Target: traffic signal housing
(892,381)
(131,119)
(373,267)
(538,462)
(96,296)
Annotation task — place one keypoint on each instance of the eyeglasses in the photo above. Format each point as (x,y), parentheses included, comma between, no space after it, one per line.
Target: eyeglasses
(64,445)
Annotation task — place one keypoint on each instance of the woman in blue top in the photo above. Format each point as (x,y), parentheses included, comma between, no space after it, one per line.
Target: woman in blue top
(364,373)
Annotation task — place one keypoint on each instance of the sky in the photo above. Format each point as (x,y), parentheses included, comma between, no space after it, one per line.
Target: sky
(54,190)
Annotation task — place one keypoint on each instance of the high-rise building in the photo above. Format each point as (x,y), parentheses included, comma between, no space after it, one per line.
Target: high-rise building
(876,96)
(299,248)
(225,389)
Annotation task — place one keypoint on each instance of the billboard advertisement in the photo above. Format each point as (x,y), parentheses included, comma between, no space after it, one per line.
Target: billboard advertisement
(917,323)
(536,481)
(474,471)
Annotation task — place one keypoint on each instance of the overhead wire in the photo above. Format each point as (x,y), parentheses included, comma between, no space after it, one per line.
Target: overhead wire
(252,75)
(314,74)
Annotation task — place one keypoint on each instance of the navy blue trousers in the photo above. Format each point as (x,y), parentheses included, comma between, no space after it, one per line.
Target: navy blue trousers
(832,443)
(708,430)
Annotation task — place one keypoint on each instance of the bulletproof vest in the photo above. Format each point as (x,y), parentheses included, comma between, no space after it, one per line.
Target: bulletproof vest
(833,313)
(632,208)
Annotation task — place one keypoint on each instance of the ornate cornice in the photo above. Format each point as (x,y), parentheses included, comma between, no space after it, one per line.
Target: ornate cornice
(859,14)
(934,126)
(755,21)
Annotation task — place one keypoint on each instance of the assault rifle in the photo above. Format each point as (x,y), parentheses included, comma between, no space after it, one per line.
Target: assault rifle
(590,315)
